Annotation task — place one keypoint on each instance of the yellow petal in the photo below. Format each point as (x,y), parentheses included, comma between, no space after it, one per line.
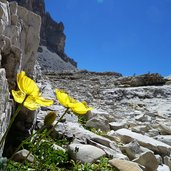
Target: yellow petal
(31,104)
(79,108)
(43,102)
(19,96)
(27,85)
(63,98)
(19,78)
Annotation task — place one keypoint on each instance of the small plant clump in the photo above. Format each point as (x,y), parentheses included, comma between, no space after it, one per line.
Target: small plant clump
(49,159)
(101,165)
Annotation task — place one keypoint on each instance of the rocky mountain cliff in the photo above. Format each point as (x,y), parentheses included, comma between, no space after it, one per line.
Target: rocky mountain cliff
(51,35)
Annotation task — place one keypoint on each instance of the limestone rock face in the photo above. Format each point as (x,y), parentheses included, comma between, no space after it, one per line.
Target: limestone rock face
(52,33)
(5,104)
(19,41)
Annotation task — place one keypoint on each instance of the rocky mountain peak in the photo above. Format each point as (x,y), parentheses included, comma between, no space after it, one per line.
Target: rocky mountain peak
(52,33)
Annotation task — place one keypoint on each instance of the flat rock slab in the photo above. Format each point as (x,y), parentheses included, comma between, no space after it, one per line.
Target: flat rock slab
(148,160)
(164,138)
(124,165)
(163,168)
(145,141)
(85,153)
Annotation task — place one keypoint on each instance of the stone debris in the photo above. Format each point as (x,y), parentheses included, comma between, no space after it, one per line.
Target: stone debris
(134,116)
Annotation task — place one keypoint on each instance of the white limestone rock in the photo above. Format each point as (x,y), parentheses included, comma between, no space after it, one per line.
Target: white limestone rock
(77,131)
(148,160)
(57,147)
(133,149)
(21,155)
(124,165)
(85,153)
(167,161)
(111,153)
(118,125)
(165,129)
(96,112)
(164,138)
(163,167)
(145,141)
(98,122)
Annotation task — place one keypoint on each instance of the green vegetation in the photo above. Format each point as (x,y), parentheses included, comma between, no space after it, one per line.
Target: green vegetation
(49,159)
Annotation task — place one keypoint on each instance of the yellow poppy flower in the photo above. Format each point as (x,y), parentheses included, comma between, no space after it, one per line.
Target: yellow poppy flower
(29,93)
(64,98)
(27,85)
(74,105)
(80,108)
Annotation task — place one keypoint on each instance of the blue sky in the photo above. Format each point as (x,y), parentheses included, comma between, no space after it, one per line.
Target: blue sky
(126,36)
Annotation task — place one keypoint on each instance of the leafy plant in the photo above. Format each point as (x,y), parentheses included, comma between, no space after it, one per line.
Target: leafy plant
(46,158)
(101,165)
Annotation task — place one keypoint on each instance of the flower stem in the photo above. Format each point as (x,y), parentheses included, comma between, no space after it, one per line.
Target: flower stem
(10,124)
(67,109)
(41,137)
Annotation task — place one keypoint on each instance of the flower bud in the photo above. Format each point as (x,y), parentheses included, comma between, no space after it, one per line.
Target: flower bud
(49,118)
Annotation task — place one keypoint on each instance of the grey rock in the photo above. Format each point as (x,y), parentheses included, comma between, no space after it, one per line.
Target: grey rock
(145,141)
(165,129)
(57,147)
(51,34)
(143,80)
(148,160)
(141,129)
(167,161)
(163,168)
(13,8)
(164,138)
(111,153)
(95,113)
(85,153)
(98,122)
(117,125)
(133,149)
(19,41)
(124,165)
(5,105)
(159,159)
(75,130)
(21,155)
